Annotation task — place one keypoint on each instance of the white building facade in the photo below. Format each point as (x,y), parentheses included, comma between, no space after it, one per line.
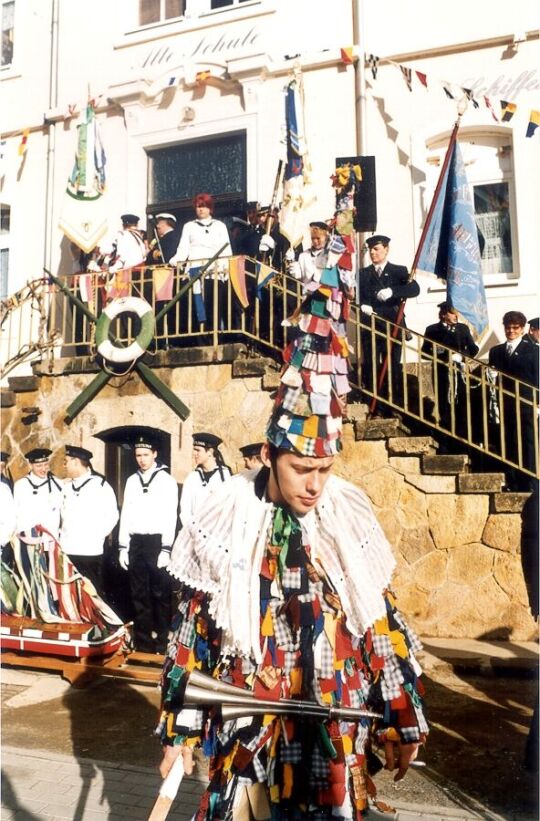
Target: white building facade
(189,97)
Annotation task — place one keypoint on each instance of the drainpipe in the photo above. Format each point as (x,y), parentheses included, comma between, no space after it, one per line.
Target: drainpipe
(51,139)
(360,108)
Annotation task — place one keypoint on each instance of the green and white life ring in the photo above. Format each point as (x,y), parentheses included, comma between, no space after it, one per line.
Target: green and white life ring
(132,305)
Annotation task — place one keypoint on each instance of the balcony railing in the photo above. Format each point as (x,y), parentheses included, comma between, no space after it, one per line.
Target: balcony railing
(493,415)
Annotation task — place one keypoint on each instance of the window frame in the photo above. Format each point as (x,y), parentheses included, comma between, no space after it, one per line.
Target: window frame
(496,138)
(8,67)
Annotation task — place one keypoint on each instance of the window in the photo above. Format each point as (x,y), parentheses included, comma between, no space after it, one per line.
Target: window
(489,166)
(220,4)
(8,16)
(218,166)
(4,250)
(493,221)
(156,11)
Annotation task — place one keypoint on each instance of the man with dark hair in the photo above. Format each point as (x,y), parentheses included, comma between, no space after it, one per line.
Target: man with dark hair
(210,471)
(382,287)
(446,344)
(286,575)
(89,513)
(252,455)
(533,334)
(147,530)
(38,495)
(516,361)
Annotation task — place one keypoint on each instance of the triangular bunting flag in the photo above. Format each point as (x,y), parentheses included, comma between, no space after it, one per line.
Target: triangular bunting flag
(446,89)
(407,76)
(469,95)
(534,122)
(487,101)
(347,55)
(265,273)
(508,111)
(23,142)
(237,275)
(422,78)
(373,63)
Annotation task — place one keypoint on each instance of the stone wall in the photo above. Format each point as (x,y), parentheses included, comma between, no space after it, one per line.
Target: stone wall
(458,554)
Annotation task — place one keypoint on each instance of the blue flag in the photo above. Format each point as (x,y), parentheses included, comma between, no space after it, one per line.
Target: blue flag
(451,250)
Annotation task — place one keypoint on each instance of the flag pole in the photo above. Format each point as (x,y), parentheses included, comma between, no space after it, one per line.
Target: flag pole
(399,317)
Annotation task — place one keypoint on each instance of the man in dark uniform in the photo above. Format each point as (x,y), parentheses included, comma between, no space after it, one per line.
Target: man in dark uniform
(449,366)
(162,248)
(382,286)
(515,359)
(147,530)
(533,334)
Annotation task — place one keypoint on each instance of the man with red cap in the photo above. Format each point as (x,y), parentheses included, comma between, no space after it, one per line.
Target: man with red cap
(286,594)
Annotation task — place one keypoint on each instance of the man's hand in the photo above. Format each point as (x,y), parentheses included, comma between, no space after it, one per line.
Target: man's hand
(398,755)
(384,294)
(163,559)
(293,269)
(170,754)
(457,357)
(366,309)
(267,243)
(123,558)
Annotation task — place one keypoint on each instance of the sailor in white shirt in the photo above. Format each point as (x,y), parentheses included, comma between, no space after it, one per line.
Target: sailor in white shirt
(201,238)
(7,522)
(147,530)
(38,495)
(126,250)
(210,471)
(89,513)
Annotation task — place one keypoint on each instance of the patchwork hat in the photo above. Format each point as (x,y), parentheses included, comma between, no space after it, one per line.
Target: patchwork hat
(311,398)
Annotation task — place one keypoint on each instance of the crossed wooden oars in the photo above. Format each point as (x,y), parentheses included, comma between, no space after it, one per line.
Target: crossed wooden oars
(147,375)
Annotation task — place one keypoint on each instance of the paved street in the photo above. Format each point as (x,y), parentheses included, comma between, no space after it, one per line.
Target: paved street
(89,754)
(40,785)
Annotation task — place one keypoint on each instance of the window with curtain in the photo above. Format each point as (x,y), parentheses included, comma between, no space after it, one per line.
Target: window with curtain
(157,11)
(8,31)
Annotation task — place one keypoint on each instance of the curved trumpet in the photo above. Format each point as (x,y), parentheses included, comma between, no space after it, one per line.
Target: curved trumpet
(202,689)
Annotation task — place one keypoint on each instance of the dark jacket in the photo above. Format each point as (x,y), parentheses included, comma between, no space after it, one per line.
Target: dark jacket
(457,337)
(522,364)
(395,277)
(169,244)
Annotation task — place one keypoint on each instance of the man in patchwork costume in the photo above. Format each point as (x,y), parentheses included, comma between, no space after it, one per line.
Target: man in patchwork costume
(285,591)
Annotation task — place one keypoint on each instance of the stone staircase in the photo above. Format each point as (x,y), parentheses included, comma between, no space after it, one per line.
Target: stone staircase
(455,534)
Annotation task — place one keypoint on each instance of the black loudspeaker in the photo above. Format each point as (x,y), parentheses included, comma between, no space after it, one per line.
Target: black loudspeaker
(365,200)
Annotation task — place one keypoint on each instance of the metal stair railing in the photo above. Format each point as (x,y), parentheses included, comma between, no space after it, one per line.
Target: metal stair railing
(41,322)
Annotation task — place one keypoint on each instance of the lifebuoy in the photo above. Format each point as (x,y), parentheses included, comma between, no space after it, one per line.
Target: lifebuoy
(132,305)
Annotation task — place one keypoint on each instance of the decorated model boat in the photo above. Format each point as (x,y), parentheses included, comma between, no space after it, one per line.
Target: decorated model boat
(49,607)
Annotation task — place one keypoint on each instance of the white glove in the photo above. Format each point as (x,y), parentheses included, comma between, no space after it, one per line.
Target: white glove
(266,243)
(457,357)
(384,294)
(289,255)
(163,559)
(93,267)
(366,309)
(294,270)
(492,373)
(123,558)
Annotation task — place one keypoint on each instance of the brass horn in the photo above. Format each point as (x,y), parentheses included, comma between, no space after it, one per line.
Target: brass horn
(234,702)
